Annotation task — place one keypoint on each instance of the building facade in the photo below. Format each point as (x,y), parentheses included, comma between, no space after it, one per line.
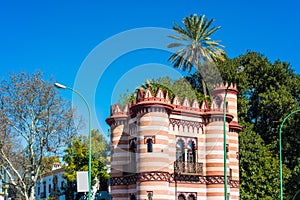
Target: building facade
(51,184)
(167,150)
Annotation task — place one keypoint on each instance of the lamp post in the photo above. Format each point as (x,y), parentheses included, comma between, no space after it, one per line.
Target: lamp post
(238,70)
(4,183)
(280,149)
(60,86)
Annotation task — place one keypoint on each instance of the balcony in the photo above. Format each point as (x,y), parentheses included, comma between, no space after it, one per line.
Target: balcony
(186,168)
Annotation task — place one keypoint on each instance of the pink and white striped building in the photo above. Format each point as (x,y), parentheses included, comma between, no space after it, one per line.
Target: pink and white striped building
(167,150)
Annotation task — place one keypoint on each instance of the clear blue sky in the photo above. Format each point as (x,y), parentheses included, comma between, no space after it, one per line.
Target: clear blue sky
(62,39)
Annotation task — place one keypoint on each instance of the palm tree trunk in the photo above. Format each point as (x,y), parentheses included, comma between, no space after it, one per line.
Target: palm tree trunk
(204,87)
(201,79)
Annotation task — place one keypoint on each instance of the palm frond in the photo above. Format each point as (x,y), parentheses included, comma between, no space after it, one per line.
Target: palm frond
(199,47)
(177,37)
(175,44)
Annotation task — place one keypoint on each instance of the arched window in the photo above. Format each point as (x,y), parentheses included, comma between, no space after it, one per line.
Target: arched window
(180,151)
(191,157)
(192,197)
(132,155)
(181,197)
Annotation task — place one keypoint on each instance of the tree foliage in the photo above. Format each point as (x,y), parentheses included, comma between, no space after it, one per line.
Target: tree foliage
(195,45)
(35,123)
(259,167)
(178,87)
(76,159)
(267,93)
(47,163)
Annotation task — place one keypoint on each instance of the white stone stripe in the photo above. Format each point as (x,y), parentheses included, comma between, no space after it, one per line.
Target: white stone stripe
(156,197)
(153,128)
(214,168)
(154,164)
(122,146)
(214,161)
(219,125)
(157,137)
(121,154)
(154,118)
(221,152)
(233,167)
(217,135)
(215,198)
(155,187)
(154,155)
(117,138)
(194,119)
(154,146)
(211,144)
(119,191)
(234,194)
(190,189)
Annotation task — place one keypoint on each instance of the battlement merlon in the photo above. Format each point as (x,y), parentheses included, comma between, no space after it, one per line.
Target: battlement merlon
(147,97)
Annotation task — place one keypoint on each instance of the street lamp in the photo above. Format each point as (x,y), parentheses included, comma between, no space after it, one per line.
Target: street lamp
(238,70)
(60,86)
(280,148)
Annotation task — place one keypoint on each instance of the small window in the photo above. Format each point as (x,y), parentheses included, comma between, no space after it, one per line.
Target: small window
(132,197)
(149,145)
(133,145)
(149,195)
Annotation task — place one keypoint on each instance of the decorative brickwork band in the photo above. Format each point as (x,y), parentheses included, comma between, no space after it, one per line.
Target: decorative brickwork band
(198,126)
(165,176)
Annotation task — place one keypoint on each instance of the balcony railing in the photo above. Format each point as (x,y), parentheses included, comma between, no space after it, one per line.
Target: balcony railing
(188,168)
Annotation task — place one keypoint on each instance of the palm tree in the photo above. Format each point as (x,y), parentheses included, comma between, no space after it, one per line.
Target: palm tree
(197,46)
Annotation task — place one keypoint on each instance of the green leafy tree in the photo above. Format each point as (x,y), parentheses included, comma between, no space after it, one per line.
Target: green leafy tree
(179,87)
(267,93)
(272,92)
(259,167)
(48,162)
(155,85)
(35,123)
(76,159)
(195,45)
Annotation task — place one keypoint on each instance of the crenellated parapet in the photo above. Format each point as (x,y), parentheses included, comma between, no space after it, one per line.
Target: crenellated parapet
(189,107)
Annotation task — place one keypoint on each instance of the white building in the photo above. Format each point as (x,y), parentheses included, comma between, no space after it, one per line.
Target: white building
(51,184)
